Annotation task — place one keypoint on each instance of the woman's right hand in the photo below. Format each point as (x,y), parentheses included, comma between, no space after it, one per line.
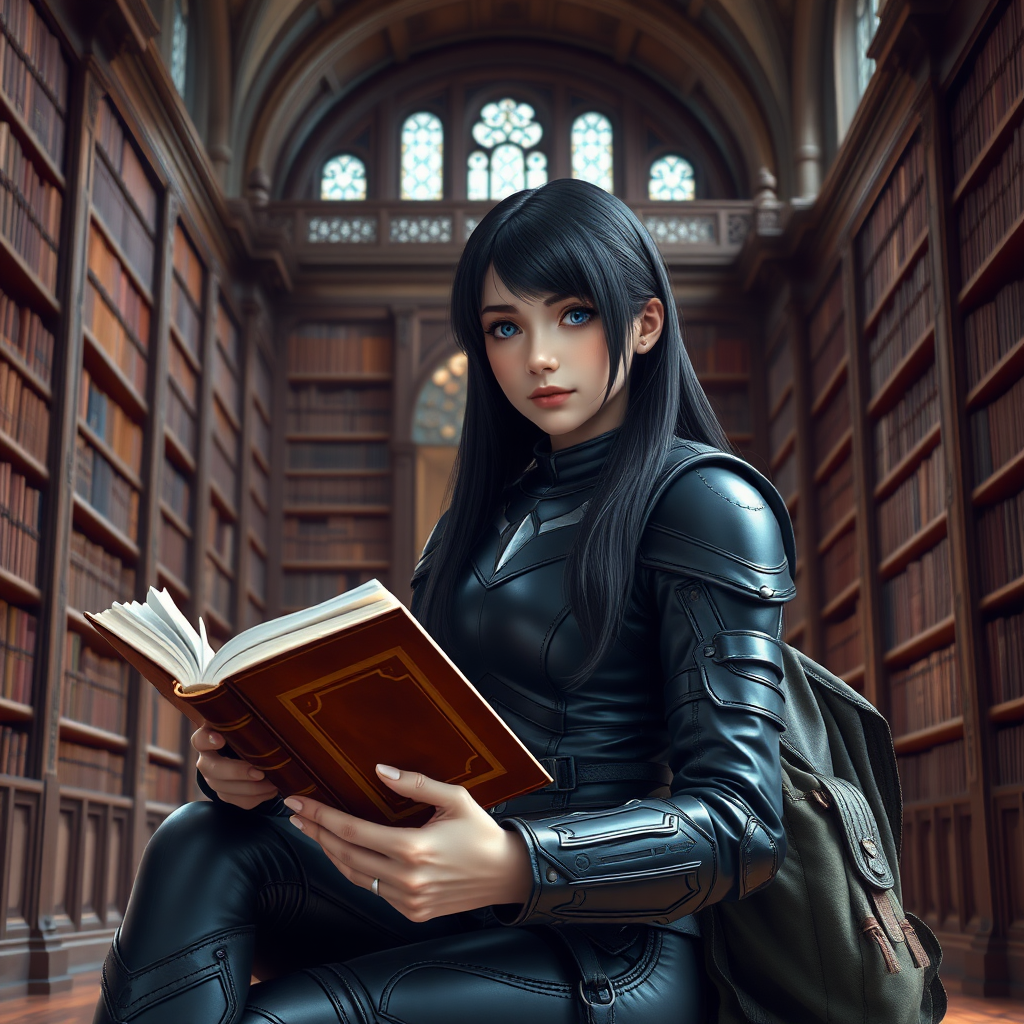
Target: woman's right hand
(235,782)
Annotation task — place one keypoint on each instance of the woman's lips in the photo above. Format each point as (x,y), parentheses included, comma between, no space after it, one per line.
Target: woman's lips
(551,399)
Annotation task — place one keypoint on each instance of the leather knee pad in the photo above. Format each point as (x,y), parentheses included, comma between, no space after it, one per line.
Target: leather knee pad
(206,981)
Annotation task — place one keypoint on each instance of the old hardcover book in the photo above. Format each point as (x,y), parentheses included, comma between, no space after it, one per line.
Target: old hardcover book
(317,698)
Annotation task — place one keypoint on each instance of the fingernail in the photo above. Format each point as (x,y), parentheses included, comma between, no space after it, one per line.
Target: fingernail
(293,803)
(255,774)
(388,772)
(215,737)
(297,822)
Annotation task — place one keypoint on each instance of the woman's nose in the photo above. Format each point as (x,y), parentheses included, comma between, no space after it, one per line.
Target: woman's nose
(541,359)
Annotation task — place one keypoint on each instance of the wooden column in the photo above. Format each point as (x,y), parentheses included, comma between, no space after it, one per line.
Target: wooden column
(403,454)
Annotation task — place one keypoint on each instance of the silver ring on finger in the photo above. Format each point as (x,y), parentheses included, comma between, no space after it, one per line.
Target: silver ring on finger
(375,887)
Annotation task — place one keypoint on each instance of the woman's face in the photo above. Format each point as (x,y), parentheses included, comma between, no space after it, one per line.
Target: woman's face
(550,358)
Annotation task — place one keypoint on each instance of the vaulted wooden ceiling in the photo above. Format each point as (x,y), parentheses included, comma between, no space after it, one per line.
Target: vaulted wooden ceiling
(743,64)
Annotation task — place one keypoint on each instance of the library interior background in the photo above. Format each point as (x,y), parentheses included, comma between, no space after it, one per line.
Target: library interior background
(227,233)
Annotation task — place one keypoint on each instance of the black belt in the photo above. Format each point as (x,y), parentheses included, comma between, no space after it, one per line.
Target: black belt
(568,773)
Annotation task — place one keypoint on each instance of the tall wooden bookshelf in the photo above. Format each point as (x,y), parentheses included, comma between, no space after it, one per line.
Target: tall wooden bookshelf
(337,490)
(257,491)
(985,116)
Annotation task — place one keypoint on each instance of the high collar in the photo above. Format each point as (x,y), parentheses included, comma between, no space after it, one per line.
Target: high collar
(569,468)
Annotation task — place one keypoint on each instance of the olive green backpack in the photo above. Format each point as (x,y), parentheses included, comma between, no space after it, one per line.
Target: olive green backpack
(828,940)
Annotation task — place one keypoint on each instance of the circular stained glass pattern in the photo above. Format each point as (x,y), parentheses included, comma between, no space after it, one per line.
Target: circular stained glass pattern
(441,405)
(343,178)
(671,179)
(506,162)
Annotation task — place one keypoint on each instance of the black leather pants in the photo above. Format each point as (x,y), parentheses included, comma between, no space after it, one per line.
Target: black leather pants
(222,894)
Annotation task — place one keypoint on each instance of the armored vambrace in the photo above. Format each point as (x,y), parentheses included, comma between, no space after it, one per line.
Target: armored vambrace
(713,568)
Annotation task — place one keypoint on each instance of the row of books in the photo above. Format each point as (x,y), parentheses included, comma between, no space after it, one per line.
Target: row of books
(106,327)
(1010,755)
(1001,543)
(187,265)
(183,372)
(90,768)
(835,496)
(307,550)
(186,315)
(228,339)
(24,416)
(30,210)
(258,522)
(781,424)
(992,330)
(262,381)
(40,47)
(105,489)
(989,210)
(935,774)
(259,483)
(994,83)
(918,598)
(898,219)
(785,477)
(257,574)
(843,648)
(338,348)
(181,420)
(338,455)
(1004,643)
(830,352)
(163,784)
(339,490)
(318,409)
(165,724)
(225,432)
(18,631)
(95,687)
(839,566)
(831,424)
(907,422)
(22,332)
(175,551)
(123,222)
(780,372)
(118,288)
(20,507)
(914,504)
(125,162)
(225,384)
(711,353)
(901,324)
(926,693)
(997,432)
(96,578)
(260,436)
(220,536)
(110,422)
(732,409)
(29,96)
(176,491)
(220,590)
(13,750)
(223,471)
(301,589)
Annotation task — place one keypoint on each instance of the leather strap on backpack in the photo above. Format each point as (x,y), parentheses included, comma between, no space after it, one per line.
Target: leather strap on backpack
(595,989)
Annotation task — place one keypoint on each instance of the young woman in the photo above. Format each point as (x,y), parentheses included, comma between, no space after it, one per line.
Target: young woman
(620,610)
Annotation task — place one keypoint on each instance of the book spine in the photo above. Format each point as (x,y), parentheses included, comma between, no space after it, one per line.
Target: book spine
(253,741)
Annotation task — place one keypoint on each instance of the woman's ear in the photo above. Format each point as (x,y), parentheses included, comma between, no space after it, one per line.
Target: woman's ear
(649,326)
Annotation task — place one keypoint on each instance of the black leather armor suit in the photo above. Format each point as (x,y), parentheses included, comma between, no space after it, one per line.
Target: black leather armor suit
(667,792)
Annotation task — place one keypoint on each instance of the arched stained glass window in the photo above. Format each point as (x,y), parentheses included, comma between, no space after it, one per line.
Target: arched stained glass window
(671,179)
(867,24)
(507,161)
(422,157)
(441,406)
(344,177)
(591,146)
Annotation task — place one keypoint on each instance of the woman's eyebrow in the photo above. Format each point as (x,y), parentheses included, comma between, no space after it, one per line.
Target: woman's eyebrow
(498,309)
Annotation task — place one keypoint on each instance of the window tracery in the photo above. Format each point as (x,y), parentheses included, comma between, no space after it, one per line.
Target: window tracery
(507,132)
(671,179)
(422,157)
(343,178)
(591,147)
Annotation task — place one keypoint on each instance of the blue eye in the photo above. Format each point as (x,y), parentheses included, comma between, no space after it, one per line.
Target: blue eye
(502,329)
(579,317)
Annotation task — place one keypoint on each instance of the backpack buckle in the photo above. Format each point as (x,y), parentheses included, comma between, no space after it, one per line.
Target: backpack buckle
(562,770)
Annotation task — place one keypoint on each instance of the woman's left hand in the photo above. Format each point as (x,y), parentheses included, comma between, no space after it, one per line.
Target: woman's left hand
(459,860)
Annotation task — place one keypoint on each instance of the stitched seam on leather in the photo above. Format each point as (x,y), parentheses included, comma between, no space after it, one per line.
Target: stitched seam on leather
(645,966)
(265,1014)
(552,988)
(329,992)
(345,980)
(714,490)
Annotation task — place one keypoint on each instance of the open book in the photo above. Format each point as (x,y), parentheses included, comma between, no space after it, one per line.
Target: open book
(317,698)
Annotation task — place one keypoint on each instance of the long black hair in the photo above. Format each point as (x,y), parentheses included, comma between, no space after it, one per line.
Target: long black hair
(568,238)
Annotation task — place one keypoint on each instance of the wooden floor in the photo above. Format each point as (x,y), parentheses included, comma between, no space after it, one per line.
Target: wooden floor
(76,1007)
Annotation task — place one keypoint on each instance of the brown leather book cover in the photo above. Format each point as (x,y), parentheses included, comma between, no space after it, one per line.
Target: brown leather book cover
(317,720)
